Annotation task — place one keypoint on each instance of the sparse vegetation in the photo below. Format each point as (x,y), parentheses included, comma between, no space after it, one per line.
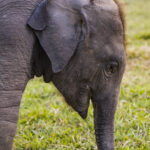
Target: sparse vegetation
(47,123)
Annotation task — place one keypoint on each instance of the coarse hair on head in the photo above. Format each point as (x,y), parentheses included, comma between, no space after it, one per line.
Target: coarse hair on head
(122,17)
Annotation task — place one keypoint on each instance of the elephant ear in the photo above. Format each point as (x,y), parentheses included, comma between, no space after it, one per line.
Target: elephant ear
(59,30)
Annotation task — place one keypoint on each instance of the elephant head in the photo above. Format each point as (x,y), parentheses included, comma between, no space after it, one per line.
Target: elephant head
(83,43)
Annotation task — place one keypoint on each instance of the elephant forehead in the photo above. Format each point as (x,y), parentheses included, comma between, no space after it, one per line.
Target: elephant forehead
(71,4)
(110,10)
(104,11)
(103,24)
(107,5)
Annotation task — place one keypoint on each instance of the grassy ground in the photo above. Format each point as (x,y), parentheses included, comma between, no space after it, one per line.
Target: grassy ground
(47,123)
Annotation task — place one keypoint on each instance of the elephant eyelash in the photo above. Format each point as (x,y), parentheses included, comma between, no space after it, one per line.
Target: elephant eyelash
(106,75)
(110,69)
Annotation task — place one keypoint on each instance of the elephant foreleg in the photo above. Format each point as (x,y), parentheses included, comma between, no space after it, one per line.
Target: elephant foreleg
(9,112)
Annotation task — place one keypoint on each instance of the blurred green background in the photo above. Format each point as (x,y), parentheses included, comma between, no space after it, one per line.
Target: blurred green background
(47,123)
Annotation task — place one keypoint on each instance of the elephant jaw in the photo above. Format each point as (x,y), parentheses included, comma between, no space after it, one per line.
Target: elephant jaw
(81,108)
(83,114)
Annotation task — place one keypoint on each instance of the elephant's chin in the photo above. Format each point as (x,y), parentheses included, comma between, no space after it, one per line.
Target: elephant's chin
(82,110)
(83,114)
(82,107)
(79,104)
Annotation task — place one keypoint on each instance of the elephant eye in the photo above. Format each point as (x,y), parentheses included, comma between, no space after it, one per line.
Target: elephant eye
(111,68)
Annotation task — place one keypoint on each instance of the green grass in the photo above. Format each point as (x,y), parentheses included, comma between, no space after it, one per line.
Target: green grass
(47,123)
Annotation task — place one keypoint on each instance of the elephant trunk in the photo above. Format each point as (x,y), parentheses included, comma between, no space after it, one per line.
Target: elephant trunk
(104,114)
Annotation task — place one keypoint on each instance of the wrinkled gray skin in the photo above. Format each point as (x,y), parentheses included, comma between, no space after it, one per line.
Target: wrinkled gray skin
(76,44)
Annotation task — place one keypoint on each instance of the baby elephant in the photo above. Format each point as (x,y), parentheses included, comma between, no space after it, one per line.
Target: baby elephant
(76,44)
